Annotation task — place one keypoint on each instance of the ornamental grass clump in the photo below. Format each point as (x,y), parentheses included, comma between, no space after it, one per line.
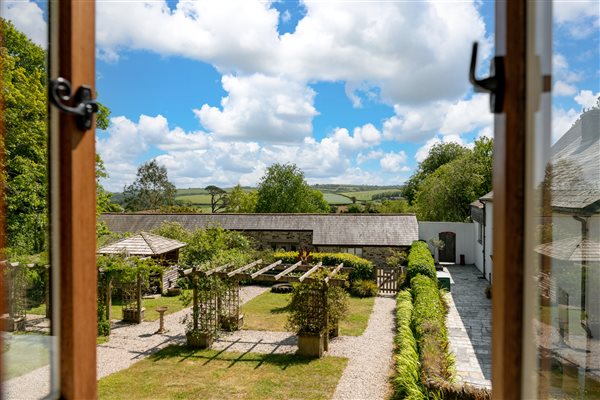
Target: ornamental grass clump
(406,382)
(364,288)
(420,262)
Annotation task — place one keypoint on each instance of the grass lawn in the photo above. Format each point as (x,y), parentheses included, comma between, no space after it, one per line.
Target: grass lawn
(39,310)
(178,372)
(268,312)
(150,314)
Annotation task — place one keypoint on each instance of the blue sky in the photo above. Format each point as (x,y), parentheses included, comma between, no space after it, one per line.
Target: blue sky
(352,92)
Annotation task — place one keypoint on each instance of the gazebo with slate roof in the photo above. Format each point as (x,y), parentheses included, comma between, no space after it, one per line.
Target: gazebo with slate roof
(144,244)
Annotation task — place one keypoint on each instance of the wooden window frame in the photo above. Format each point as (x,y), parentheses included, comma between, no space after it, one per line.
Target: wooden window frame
(73,202)
(509,204)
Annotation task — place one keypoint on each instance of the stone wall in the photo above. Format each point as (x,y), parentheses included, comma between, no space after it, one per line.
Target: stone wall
(288,240)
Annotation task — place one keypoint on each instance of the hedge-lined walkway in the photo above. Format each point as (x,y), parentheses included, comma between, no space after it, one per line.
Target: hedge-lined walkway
(469,326)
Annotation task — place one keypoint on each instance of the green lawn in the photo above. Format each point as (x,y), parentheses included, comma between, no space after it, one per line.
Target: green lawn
(268,312)
(178,372)
(116,310)
(150,314)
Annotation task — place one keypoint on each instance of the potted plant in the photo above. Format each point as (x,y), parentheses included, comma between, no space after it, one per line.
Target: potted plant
(437,246)
(201,326)
(173,290)
(305,319)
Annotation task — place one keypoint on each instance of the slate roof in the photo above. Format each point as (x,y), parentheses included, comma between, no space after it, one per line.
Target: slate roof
(142,244)
(572,249)
(576,165)
(327,229)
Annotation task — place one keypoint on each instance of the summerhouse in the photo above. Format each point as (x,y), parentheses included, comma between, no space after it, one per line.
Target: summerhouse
(144,244)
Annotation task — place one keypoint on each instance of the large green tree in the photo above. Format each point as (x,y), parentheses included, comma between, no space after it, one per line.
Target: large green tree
(150,190)
(218,198)
(440,154)
(283,189)
(24,179)
(445,194)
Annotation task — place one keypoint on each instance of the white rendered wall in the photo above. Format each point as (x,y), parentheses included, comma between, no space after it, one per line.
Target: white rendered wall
(466,237)
(489,230)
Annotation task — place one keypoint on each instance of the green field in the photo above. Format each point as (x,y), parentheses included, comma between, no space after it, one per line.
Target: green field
(334,194)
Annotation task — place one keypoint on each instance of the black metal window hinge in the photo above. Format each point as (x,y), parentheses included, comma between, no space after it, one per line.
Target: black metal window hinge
(83,107)
(494,84)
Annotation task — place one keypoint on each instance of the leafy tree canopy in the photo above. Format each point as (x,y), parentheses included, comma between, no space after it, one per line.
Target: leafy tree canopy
(283,189)
(440,154)
(445,194)
(151,189)
(240,201)
(24,180)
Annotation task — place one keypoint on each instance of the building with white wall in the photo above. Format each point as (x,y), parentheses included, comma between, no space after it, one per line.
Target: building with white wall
(459,238)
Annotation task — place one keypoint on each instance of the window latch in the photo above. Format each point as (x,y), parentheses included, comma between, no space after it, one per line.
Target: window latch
(84,106)
(493,84)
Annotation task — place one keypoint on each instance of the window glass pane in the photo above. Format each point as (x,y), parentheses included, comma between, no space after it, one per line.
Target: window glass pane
(28,346)
(566,211)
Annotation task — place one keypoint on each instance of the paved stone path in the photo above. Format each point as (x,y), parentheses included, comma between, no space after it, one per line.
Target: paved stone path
(469,326)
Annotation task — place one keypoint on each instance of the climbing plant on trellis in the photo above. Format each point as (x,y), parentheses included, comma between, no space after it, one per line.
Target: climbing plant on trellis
(15,278)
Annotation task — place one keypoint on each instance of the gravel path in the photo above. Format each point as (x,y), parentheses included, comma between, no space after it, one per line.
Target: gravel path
(370,356)
(128,344)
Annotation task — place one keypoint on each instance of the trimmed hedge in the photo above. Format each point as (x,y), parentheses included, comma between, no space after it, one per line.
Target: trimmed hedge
(420,261)
(429,327)
(406,382)
(362,269)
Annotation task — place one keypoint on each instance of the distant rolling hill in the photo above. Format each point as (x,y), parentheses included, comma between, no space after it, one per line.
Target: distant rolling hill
(335,194)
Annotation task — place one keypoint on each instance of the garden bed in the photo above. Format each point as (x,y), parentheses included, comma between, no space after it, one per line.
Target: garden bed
(268,312)
(180,372)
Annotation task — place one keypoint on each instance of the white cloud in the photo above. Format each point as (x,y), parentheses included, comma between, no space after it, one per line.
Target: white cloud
(562,71)
(372,155)
(196,159)
(563,89)
(392,162)
(466,115)
(581,18)
(233,35)
(586,98)
(414,123)
(423,151)
(362,137)
(286,16)
(28,18)
(353,42)
(259,107)
(562,120)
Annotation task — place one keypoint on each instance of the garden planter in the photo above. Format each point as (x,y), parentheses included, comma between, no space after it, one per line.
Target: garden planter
(13,324)
(232,323)
(311,344)
(199,340)
(131,314)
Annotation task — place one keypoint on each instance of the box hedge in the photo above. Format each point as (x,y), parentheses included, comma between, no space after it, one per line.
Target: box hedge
(420,261)
(362,269)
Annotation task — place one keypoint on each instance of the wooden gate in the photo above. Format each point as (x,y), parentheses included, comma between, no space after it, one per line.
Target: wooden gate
(388,279)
